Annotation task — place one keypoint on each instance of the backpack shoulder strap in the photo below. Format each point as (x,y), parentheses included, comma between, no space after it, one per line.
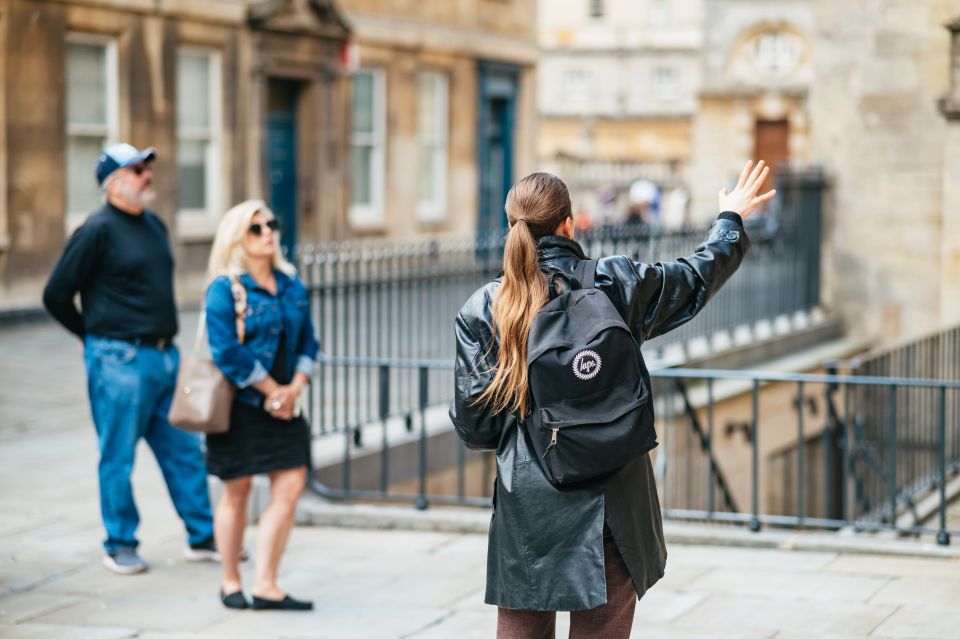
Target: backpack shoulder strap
(585,273)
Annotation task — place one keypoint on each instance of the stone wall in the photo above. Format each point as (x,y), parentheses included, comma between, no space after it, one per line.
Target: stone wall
(862,102)
(290,41)
(508,18)
(34,149)
(617,124)
(405,37)
(736,93)
(880,68)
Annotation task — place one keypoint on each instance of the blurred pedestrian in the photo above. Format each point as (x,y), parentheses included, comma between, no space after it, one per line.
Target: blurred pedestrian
(271,363)
(120,262)
(606,204)
(583,221)
(592,547)
(674,209)
(644,201)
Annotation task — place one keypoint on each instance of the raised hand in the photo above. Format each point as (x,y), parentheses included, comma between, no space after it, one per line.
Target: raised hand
(744,199)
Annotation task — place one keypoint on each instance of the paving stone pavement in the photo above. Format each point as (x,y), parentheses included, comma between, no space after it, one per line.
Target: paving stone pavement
(368,583)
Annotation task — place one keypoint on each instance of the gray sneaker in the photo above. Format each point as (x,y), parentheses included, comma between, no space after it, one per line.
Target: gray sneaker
(207,551)
(125,561)
(204,551)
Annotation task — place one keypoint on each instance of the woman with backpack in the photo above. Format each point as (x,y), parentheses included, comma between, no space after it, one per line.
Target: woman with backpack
(593,546)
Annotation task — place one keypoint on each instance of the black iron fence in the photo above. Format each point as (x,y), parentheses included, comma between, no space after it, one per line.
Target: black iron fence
(801,438)
(398,300)
(906,462)
(736,446)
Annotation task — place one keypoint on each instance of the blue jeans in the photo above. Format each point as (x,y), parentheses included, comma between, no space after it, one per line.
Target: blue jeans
(130,391)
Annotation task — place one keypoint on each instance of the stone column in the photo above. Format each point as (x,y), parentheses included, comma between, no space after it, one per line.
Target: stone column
(950,237)
(34,104)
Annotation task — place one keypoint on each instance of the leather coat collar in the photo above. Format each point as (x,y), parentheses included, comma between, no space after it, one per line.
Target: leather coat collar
(554,247)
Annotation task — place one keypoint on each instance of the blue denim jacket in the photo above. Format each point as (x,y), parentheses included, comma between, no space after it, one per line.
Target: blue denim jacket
(248,363)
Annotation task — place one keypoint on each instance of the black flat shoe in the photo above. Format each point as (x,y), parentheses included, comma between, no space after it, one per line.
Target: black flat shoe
(234,600)
(287,603)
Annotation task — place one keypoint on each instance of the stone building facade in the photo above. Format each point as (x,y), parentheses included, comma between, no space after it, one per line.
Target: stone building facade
(757,75)
(856,93)
(891,254)
(229,93)
(950,235)
(618,86)
(351,118)
(673,92)
(444,117)
(863,92)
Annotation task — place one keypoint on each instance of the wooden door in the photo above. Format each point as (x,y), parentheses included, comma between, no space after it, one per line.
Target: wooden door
(772,144)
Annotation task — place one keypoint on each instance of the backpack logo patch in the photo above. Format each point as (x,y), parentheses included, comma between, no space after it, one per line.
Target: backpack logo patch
(586,365)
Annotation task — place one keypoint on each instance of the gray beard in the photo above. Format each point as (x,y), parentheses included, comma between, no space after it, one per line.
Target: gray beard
(142,199)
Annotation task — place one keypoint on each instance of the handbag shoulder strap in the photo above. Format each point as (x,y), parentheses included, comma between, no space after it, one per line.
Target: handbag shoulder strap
(239,309)
(239,305)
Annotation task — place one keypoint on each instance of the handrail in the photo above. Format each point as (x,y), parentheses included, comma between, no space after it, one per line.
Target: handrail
(675,373)
(858,482)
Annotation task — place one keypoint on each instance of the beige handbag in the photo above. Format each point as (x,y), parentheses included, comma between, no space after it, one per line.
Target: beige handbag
(204,396)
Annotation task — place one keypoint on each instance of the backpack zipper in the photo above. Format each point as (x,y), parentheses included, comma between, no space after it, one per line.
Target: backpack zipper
(553,442)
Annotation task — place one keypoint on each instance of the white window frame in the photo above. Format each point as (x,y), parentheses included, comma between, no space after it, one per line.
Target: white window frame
(660,12)
(110,132)
(579,95)
(666,92)
(776,53)
(436,210)
(372,214)
(202,223)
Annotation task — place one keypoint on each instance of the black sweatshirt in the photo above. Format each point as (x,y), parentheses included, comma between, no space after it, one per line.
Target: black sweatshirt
(122,266)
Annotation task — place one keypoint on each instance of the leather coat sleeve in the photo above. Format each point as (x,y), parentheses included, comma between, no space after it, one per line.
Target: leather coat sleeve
(477,425)
(657,298)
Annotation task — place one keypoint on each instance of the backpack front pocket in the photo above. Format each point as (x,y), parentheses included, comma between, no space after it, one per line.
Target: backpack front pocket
(581,439)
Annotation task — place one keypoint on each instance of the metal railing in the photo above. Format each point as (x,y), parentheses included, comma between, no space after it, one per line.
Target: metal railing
(736,446)
(398,300)
(914,453)
(805,456)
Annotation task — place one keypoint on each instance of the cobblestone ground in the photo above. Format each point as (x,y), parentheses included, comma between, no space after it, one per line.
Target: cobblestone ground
(367,583)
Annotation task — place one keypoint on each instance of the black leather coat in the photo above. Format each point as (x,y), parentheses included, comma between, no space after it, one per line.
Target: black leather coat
(546,545)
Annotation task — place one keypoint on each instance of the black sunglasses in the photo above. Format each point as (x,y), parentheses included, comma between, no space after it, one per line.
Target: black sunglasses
(140,168)
(257,229)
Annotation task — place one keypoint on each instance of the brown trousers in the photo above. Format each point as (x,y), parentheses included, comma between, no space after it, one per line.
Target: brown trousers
(612,620)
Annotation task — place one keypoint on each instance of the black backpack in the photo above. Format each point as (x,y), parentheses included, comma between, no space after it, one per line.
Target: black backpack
(591,401)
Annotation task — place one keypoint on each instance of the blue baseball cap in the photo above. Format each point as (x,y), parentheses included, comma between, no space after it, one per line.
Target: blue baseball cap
(120,155)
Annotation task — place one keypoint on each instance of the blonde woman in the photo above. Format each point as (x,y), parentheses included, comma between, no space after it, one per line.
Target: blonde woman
(595,547)
(270,366)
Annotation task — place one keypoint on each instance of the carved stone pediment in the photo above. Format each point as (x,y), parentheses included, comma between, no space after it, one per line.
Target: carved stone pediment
(319,18)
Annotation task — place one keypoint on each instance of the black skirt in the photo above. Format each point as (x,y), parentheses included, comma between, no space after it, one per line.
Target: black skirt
(257,443)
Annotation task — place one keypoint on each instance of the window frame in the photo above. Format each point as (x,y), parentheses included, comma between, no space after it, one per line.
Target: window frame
(192,222)
(577,93)
(596,9)
(110,130)
(665,92)
(436,210)
(781,54)
(372,213)
(661,13)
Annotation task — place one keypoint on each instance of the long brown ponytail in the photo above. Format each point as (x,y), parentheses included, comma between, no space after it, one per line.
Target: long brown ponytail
(536,205)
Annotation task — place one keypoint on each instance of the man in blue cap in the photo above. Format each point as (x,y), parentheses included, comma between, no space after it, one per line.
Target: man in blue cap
(121,263)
